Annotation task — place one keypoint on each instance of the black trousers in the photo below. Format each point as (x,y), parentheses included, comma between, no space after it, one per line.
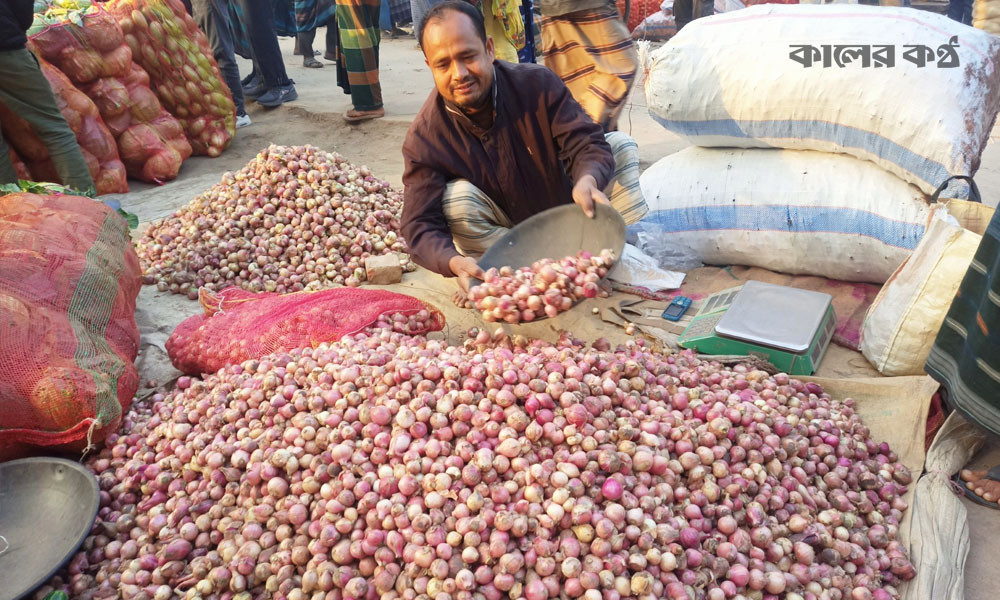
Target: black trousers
(212,17)
(259,18)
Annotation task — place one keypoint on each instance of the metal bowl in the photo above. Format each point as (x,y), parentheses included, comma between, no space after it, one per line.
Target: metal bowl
(555,233)
(47,508)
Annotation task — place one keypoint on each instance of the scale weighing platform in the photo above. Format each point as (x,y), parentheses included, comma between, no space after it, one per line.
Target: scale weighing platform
(789,327)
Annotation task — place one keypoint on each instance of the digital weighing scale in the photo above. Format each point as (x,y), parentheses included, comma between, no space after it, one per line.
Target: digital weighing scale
(789,327)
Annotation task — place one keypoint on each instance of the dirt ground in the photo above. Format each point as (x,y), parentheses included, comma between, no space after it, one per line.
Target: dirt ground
(316,119)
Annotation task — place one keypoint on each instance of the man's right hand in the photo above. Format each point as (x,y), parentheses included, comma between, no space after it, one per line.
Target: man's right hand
(464,268)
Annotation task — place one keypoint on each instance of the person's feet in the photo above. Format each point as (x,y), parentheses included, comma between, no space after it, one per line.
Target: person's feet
(461,299)
(254,88)
(356,116)
(310,62)
(242,120)
(278,96)
(979,484)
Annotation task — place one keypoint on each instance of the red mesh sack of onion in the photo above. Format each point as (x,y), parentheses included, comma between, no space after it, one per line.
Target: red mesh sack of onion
(240,325)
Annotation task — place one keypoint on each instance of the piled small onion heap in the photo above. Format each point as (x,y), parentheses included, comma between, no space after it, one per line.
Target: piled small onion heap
(295,218)
(547,287)
(389,466)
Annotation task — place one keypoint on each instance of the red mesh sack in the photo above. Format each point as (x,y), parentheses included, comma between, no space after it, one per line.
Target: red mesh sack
(240,325)
(90,50)
(96,142)
(640,9)
(68,339)
(167,43)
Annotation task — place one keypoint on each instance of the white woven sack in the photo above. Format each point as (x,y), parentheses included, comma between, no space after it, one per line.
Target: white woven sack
(731,80)
(793,211)
(903,321)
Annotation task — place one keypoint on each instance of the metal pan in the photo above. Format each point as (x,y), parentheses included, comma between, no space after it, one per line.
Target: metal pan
(555,233)
(47,508)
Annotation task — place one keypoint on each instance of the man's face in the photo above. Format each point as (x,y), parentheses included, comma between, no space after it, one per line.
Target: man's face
(461,64)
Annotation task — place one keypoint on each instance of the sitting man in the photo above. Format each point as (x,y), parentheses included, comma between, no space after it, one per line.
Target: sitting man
(494,144)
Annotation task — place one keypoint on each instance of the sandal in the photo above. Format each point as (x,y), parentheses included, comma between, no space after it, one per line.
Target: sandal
(310,62)
(357,116)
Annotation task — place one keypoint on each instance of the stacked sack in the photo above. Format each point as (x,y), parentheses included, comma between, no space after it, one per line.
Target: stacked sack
(88,46)
(69,278)
(167,43)
(824,134)
(639,10)
(96,142)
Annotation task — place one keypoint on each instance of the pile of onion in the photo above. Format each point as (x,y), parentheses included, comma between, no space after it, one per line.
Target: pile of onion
(389,466)
(295,218)
(548,287)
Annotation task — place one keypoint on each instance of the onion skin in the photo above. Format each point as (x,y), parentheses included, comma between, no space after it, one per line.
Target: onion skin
(389,465)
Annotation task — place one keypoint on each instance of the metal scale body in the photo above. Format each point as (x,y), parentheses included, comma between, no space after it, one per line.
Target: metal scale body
(789,327)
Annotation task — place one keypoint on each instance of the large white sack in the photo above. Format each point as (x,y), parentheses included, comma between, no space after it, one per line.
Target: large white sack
(793,211)
(730,80)
(904,320)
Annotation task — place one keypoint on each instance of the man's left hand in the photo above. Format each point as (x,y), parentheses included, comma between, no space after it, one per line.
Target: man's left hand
(586,194)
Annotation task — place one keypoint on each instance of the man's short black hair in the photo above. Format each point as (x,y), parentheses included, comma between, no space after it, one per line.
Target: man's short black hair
(467,9)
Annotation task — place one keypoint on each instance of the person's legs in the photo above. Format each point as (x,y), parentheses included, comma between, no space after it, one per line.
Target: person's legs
(956,10)
(213,19)
(964,359)
(419,8)
(624,190)
(503,47)
(385,17)
(357,64)
(8,174)
(593,53)
(527,54)
(26,92)
(683,12)
(305,41)
(253,85)
(259,16)
(475,221)
(331,40)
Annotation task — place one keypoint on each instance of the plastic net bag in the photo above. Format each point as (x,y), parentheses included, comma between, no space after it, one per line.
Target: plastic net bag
(68,338)
(238,325)
(167,43)
(640,9)
(96,142)
(88,46)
